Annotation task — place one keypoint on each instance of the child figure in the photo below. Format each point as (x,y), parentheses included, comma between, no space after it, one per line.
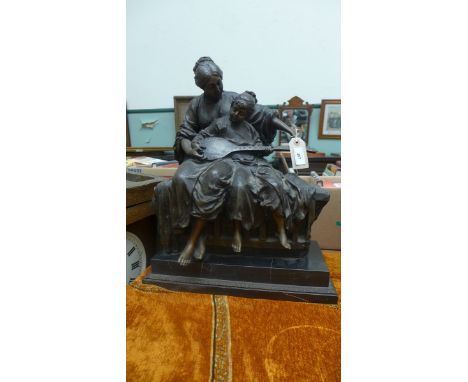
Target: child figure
(238,183)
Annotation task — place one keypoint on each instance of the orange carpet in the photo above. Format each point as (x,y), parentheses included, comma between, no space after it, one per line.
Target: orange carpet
(174,336)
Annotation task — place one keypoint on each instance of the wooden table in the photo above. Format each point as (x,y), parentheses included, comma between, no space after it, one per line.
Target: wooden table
(139,193)
(141,219)
(317,161)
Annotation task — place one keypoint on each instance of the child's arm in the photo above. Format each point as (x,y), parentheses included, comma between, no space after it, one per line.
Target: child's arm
(210,131)
(196,149)
(280,125)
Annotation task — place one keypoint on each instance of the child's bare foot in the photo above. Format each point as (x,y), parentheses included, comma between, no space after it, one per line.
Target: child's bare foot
(284,240)
(200,248)
(186,255)
(279,220)
(237,241)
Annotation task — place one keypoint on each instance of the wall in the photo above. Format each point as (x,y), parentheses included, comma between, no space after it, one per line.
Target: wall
(277,49)
(163,134)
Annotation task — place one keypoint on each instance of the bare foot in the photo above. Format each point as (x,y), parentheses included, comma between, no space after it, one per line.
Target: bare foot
(186,255)
(284,240)
(237,242)
(200,248)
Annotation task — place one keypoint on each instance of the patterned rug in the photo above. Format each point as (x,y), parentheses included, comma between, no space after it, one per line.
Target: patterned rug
(175,336)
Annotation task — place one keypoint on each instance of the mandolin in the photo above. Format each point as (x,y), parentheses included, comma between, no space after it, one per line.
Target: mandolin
(217,148)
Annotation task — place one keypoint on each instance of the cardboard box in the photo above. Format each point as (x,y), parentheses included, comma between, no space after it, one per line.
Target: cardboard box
(332,170)
(326,230)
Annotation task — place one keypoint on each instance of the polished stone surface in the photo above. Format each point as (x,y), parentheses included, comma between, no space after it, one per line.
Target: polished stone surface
(307,268)
(298,293)
(297,277)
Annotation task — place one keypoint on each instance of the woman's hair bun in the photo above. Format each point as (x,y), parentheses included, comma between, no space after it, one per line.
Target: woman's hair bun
(201,60)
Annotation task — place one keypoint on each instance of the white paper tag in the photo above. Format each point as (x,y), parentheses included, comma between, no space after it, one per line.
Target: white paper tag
(299,156)
(298,151)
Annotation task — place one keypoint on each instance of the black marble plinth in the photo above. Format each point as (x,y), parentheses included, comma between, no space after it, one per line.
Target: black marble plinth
(300,277)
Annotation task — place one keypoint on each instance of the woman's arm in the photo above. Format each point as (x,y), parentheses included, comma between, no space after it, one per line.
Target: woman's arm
(196,145)
(186,145)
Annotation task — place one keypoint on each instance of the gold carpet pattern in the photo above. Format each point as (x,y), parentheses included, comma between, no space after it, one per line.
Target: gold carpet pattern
(175,336)
(221,340)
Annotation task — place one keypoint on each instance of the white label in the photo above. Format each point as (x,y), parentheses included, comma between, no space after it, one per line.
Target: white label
(299,156)
(298,151)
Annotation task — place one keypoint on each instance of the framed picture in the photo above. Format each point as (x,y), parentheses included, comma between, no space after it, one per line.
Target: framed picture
(330,119)
(181,104)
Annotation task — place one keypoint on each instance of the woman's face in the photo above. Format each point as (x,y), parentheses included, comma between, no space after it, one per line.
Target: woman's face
(214,88)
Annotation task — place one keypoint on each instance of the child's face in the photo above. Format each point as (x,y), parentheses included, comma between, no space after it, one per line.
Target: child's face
(238,113)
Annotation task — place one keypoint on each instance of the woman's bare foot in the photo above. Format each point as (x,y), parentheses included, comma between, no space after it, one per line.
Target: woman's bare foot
(237,241)
(186,255)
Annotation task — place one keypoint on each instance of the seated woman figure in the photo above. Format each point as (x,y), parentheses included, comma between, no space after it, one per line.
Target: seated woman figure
(172,199)
(240,183)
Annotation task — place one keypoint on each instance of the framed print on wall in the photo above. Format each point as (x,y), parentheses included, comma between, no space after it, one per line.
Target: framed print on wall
(330,119)
(181,104)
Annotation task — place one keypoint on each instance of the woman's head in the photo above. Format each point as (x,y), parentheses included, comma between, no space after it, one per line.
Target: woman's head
(242,106)
(209,77)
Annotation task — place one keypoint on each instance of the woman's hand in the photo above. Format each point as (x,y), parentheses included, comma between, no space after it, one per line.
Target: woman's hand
(195,154)
(196,150)
(192,148)
(186,146)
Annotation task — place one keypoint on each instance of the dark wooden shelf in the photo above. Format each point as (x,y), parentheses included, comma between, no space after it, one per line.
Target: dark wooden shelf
(317,162)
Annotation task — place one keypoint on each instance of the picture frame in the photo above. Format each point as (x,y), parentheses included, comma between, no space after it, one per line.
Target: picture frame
(181,104)
(296,113)
(133,151)
(330,119)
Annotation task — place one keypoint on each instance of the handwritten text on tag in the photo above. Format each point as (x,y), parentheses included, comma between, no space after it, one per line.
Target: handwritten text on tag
(298,151)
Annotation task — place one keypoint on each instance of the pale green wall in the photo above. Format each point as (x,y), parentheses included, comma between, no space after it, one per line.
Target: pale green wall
(270,47)
(163,134)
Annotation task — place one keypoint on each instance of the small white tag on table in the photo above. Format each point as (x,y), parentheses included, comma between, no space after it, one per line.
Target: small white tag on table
(298,151)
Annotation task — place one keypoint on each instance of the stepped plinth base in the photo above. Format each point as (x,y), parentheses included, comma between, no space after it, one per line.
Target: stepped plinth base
(299,277)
